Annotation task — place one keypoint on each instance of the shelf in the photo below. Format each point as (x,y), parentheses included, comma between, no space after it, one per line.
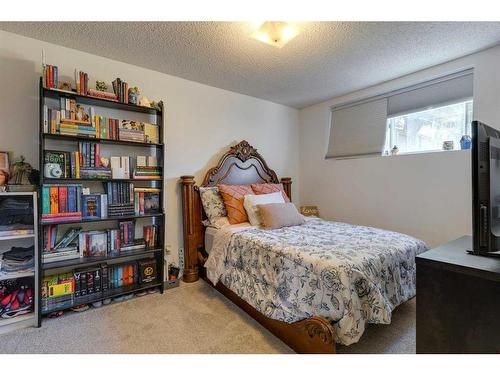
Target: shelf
(16,275)
(128,217)
(16,237)
(88,261)
(115,292)
(17,319)
(52,180)
(85,99)
(99,140)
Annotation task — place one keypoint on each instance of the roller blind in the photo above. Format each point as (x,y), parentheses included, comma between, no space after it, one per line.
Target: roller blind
(358,130)
(445,90)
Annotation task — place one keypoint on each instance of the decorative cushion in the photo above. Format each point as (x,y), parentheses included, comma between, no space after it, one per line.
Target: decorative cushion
(251,201)
(259,189)
(279,215)
(214,207)
(233,197)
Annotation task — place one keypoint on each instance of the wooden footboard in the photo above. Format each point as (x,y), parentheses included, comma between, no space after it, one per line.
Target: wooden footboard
(308,336)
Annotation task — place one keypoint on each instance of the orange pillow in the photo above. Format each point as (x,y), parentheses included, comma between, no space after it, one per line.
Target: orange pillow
(259,189)
(233,197)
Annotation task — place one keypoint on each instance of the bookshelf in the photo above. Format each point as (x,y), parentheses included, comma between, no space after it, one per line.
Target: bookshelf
(53,141)
(22,240)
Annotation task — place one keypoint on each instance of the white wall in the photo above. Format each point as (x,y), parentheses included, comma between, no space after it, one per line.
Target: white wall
(424,195)
(201,121)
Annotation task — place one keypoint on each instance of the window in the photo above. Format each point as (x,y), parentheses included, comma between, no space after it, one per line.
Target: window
(416,118)
(426,130)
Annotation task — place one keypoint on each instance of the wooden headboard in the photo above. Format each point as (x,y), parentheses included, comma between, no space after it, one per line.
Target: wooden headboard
(241,165)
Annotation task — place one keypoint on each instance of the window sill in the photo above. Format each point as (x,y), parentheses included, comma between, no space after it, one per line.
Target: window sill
(424,152)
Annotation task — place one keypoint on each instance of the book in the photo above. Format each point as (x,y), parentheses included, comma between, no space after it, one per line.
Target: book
(151,133)
(91,206)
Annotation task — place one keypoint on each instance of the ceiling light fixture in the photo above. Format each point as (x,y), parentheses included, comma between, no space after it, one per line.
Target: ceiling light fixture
(275,33)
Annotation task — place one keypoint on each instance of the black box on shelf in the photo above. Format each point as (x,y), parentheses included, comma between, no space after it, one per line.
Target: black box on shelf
(147,271)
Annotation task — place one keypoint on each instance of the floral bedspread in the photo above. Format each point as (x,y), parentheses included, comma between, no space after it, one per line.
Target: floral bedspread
(351,275)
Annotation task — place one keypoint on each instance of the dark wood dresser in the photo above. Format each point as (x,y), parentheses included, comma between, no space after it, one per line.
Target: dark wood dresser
(458,300)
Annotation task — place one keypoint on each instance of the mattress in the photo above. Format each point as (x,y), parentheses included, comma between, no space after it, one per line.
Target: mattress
(351,275)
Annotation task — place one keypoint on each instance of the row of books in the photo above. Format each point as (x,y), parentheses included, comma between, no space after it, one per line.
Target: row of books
(70,289)
(87,162)
(106,127)
(64,122)
(76,243)
(61,203)
(121,90)
(120,198)
(82,82)
(151,240)
(50,76)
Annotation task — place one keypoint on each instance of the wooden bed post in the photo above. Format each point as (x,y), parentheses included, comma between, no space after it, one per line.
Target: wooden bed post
(287,186)
(190,235)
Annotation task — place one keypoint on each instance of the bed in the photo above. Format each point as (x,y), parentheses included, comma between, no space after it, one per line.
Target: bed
(312,285)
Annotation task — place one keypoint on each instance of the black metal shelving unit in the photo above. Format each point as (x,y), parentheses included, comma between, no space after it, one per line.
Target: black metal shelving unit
(52,95)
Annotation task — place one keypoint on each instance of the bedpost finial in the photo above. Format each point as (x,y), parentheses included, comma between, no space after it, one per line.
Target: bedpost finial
(187,180)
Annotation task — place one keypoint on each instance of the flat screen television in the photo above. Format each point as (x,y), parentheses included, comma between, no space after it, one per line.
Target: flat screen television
(485,190)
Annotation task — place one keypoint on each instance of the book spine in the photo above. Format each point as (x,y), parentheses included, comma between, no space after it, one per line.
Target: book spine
(45,200)
(72,199)
(63,199)
(54,200)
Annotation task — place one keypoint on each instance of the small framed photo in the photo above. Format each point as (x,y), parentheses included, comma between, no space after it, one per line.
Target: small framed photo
(4,161)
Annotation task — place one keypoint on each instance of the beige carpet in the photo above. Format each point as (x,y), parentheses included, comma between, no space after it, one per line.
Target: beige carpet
(193,318)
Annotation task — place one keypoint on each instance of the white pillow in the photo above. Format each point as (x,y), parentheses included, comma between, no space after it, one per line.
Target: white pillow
(251,201)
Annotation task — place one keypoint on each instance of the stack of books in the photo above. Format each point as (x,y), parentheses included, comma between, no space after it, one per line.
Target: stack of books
(90,166)
(121,90)
(137,131)
(146,200)
(132,131)
(82,82)
(102,95)
(76,128)
(150,236)
(50,76)
(147,173)
(106,128)
(146,168)
(120,198)
(94,206)
(65,249)
(61,203)
(57,291)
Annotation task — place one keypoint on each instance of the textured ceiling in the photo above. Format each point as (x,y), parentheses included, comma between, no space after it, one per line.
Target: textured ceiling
(325,60)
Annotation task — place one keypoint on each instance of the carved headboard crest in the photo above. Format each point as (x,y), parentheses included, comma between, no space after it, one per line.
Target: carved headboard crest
(242,164)
(243,151)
